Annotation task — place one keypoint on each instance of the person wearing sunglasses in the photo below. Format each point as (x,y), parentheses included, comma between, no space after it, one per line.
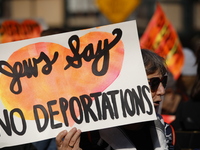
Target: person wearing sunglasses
(148,135)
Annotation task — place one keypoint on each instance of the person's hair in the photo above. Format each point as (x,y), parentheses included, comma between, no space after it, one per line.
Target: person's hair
(52,31)
(153,62)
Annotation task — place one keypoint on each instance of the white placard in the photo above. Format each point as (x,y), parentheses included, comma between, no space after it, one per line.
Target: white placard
(90,79)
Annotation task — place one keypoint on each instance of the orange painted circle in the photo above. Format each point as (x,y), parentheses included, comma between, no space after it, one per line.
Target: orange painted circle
(59,83)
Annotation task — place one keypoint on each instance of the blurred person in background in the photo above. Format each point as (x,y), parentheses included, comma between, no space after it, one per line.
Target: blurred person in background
(189,73)
(178,91)
(188,114)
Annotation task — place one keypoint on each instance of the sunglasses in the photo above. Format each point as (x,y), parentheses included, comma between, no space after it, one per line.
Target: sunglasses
(154,82)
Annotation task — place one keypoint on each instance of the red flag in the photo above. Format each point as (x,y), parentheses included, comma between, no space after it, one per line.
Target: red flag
(161,37)
(12,30)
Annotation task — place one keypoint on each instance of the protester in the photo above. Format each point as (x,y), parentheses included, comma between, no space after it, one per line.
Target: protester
(187,116)
(141,136)
(178,91)
(188,75)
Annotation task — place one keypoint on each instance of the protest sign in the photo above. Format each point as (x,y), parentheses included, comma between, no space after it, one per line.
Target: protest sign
(90,79)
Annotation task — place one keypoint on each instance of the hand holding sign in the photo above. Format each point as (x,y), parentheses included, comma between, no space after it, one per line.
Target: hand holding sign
(68,140)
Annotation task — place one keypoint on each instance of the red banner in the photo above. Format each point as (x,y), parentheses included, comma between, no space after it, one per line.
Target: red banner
(11,30)
(161,37)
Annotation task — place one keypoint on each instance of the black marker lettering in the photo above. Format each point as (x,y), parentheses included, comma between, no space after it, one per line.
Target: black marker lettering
(63,107)
(87,102)
(127,107)
(144,89)
(97,103)
(37,119)
(27,69)
(72,102)
(106,106)
(12,122)
(139,102)
(113,99)
(6,126)
(53,113)
(88,54)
